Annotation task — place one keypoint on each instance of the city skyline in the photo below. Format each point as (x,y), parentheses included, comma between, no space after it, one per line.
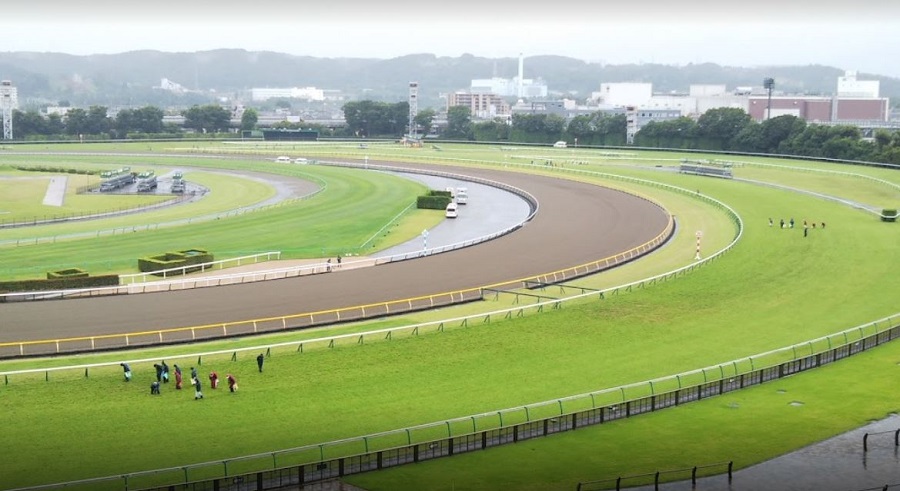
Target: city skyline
(862,37)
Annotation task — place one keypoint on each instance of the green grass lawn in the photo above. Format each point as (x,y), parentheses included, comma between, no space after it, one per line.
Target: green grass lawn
(774,289)
(338,221)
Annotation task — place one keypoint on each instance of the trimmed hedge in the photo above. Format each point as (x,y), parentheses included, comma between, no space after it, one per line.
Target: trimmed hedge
(170,260)
(67,273)
(56,170)
(889,215)
(434,200)
(59,283)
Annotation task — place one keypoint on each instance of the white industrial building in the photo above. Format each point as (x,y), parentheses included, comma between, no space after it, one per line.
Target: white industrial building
(518,86)
(306,93)
(623,94)
(509,87)
(849,86)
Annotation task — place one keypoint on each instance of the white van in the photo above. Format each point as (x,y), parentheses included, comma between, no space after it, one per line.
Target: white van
(283,159)
(300,160)
(462,196)
(451,210)
(559,144)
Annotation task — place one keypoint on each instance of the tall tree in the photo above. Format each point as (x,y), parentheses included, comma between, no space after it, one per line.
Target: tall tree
(210,118)
(249,119)
(719,126)
(98,122)
(491,131)
(76,121)
(459,123)
(425,119)
(27,124)
(149,119)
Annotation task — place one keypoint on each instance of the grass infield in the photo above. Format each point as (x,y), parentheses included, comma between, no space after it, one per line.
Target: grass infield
(774,289)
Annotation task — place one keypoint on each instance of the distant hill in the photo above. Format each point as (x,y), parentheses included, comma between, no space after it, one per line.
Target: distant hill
(129,78)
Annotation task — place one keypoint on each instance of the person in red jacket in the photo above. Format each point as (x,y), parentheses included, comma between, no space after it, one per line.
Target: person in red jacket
(177,377)
(213,380)
(232,383)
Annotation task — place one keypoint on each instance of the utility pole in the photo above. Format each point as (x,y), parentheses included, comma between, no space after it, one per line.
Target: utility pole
(769,84)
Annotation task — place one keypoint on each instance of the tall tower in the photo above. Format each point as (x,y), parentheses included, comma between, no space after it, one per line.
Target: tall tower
(413,109)
(8,102)
(631,124)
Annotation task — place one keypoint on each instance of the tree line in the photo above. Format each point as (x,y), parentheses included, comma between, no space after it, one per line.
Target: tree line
(722,129)
(732,129)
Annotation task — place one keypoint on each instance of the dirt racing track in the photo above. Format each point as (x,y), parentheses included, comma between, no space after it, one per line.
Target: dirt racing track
(577,223)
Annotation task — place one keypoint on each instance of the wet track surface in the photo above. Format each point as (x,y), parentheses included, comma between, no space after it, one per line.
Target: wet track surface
(577,223)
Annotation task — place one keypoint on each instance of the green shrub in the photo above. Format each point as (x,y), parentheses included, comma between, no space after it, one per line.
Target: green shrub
(67,273)
(59,283)
(432,202)
(170,260)
(889,215)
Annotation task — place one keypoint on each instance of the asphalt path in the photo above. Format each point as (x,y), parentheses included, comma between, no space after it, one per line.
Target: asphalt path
(577,223)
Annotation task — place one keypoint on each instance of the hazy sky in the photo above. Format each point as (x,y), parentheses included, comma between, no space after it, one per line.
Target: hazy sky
(862,35)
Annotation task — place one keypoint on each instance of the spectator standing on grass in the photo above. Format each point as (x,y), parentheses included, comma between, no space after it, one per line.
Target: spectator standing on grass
(127,370)
(198,389)
(177,377)
(213,380)
(232,383)
(782,223)
(194,375)
(770,222)
(259,361)
(165,372)
(154,388)
(159,371)
(792,222)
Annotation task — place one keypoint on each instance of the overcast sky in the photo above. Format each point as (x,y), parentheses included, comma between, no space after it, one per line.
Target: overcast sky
(862,35)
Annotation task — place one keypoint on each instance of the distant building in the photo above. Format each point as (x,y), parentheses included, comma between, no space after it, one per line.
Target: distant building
(564,108)
(482,105)
(822,109)
(306,93)
(171,86)
(623,94)
(518,86)
(637,117)
(58,110)
(849,86)
(506,87)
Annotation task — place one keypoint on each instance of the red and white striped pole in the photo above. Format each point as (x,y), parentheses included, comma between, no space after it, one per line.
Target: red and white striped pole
(699,235)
